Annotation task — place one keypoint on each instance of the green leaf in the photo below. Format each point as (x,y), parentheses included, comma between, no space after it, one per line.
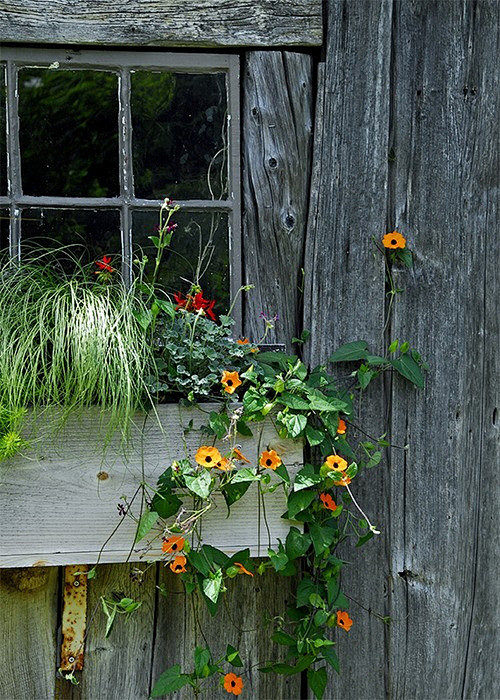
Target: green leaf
(233,656)
(305,588)
(322,537)
(299,501)
(314,437)
(319,402)
(212,586)
(306,478)
(282,471)
(167,307)
(293,422)
(364,539)
(278,559)
(143,318)
(296,544)
(170,680)
(317,681)
(146,523)
(199,562)
(393,346)
(245,474)
(201,659)
(405,256)
(364,376)
(166,504)
(219,422)
(358,350)
(316,600)
(331,657)
(200,484)
(408,368)
(243,429)
(293,401)
(283,638)
(233,492)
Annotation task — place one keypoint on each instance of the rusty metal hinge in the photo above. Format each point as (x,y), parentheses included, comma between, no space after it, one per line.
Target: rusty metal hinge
(74,617)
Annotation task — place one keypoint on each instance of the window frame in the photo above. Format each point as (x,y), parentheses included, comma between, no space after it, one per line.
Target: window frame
(122,63)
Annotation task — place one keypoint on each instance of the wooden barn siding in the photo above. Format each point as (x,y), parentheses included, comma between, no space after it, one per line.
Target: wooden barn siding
(417,80)
(417,77)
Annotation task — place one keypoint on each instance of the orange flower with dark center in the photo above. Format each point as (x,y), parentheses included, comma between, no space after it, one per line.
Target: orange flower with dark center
(225,464)
(270,459)
(208,456)
(172,544)
(230,381)
(239,455)
(242,341)
(343,620)
(233,683)
(242,569)
(178,565)
(394,240)
(336,462)
(341,428)
(344,481)
(327,501)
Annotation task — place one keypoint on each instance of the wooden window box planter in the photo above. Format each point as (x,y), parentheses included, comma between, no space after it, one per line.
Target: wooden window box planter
(58,504)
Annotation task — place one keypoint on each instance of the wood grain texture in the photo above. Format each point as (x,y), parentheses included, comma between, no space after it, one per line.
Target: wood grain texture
(163,22)
(119,666)
(28,608)
(69,491)
(277,143)
(240,621)
(444,503)
(344,288)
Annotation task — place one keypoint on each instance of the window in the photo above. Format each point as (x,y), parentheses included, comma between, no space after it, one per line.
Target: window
(91,142)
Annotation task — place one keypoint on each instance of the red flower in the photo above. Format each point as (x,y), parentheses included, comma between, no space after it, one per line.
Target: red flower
(196,302)
(104,264)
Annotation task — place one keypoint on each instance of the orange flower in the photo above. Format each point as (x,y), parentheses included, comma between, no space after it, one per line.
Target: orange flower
(270,459)
(230,381)
(327,501)
(242,569)
(172,544)
(208,456)
(242,341)
(239,455)
(344,481)
(341,428)
(343,620)
(394,240)
(178,565)
(336,462)
(233,683)
(225,464)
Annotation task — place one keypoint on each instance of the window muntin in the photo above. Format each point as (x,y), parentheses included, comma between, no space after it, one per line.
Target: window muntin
(65,197)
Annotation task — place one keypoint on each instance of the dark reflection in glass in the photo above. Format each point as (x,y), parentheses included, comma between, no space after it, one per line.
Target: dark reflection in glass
(87,235)
(178,128)
(4,230)
(69,132)
(3,133)
(179,265)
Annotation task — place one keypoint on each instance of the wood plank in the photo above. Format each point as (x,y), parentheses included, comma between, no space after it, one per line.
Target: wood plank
(119,666)
(444,635)
(277,143)
(344,287)
(28,614)
(72,530)
(163,22)
(240,621)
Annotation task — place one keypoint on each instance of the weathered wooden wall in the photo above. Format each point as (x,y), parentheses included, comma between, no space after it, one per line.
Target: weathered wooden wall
(405,118)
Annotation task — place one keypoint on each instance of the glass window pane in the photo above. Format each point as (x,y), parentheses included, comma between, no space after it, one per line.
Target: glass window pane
(179,135)
(88,235)
(69,132)
(195,233)
(4,229)
(3,132)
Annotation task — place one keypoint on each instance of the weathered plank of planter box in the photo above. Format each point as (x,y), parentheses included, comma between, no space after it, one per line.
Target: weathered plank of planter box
(58,503)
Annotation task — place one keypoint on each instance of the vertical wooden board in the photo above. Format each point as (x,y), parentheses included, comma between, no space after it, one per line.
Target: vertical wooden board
(345,289)
(28,622)
(184,622)
(118,667)
(277,143)
(444,490)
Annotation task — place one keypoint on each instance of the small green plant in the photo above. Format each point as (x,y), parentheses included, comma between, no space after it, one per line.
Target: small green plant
(116,604)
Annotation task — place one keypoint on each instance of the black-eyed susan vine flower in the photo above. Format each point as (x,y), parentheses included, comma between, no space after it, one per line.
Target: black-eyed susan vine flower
(174,543)
(336,463)
(327,501)
(208,456)
(178,565)
(343,620)
(233,683)
(394,240)
(270,459)
(230,381)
